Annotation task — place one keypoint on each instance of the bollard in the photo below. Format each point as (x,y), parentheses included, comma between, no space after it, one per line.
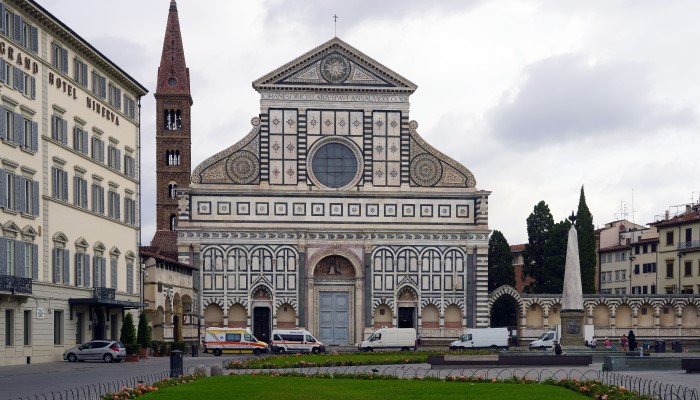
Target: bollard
(195,350)
(176,364)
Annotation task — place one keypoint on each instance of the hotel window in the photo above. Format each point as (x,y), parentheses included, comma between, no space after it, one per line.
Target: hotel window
(129,166)
(28,197)
(99,85)
(15,27)
(61,260)
(7,190)
(59,129)
(669,238)
(7,255)
(9,327)
(23,82)
(129,107)
(82,266)
(59,184)
(669,269)
(114,268)
(60,57)
(113,205)
(688,268)
(58,327)
(114,157)
(18,193)
(98,199)
(6,72)
(81,73)
(7,118)
(80,140)
(130,275)
(80,192)
(129,211)
(30,135)
(115,97)
(98,149)
(99,270)
(27,327)
(30,258)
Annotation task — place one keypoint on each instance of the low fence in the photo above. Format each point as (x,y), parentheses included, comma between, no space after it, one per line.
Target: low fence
(641,386)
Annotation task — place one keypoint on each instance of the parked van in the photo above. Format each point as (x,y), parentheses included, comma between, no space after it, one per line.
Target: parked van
(474,338)
(390,339)
(295,341)
(546,340)
(232,340)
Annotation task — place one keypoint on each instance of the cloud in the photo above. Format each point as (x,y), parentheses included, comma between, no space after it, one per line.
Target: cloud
(563,98)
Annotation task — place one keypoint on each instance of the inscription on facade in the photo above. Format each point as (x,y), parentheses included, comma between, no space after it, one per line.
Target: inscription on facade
(367,98)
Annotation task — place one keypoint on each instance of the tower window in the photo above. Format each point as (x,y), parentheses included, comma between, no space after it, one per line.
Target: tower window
(172,157)
(173,221)
(172,120)
(171,190)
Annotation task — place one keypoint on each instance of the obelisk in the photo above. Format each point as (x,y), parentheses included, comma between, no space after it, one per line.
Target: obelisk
(572,312)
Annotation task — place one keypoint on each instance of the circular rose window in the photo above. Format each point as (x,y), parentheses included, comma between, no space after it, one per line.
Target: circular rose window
(334,164)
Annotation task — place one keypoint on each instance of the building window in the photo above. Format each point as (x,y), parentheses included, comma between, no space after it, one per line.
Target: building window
(80,193)
(653,247)
(98,149)
(172,120)
(114,158)
(171,190)
(129,211)
(9,327)
(16,28)
(173,222)
(99,85)
(636,249)
(23,82)
(7,118)
(602,277)
(58,327)
(30,259)
(669,238)
(669,269)
(81,73)
(129,107)
(653,289)
(687,290)
(59,129)
(617,275)
(645,249)
(115,97)
(644,289)
(129,166)
(113,205)
(98,199)
(129,276)
(172,157)
(99,270)
(80,140)
(60,58)
(59,187)
(624,275)
(644,311)
(61,261)
(636,269)
(27,327)
(7,190)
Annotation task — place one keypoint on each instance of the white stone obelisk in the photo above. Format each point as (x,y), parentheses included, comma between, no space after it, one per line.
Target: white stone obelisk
(572,294)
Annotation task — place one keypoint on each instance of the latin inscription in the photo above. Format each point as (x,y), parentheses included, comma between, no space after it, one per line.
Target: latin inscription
(365,98)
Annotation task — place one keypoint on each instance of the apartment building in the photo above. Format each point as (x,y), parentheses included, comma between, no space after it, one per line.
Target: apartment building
(679,252)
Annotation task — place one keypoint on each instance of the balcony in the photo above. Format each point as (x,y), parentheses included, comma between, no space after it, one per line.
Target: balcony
(691,245)
(15,284)
(103,293)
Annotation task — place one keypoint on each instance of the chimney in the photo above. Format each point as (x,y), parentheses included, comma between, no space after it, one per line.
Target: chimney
(688,208)
(666,215)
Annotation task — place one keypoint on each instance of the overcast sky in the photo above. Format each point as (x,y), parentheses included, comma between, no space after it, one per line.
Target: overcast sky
(536,98)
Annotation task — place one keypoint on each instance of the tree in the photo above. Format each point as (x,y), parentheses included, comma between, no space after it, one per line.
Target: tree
(144,336)
(128,332)
(500,262)
(539,223)
(555,259)
(586,244)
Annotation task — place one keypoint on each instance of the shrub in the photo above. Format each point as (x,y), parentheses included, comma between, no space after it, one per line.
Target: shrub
(158,346)
(128,332)
(144,336)
(132,348)
(178,346)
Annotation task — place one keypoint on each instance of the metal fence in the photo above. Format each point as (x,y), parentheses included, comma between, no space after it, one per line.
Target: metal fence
(641,386)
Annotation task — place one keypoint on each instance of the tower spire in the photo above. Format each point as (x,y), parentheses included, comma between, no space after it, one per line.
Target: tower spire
(173,74)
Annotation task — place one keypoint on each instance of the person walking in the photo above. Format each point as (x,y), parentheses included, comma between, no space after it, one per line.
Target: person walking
(593,343)
(624,342)
(418,338)
(632,340)
(557,348)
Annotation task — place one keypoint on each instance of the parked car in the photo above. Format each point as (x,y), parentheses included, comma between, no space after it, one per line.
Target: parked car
(105,350)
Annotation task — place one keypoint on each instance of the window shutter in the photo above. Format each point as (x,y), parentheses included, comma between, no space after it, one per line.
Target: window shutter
(65,185)
(21,195)
(33,80)
(54,128)
(119,160)
(64,131)
(35,198)
(86,268)
(54,182)
(76,190)
(130,278)
(64,60)
(56,270)
(109,205)
(119,99)
(17,34)
(78,269)
(15,80)
(3,189)
(35,261)
(3,256)
(84,202)
(3,63)
(113,273)
(18,192)
(19,258)
(117,205)
(35,39)
(103,270)
(20,80)
(35,136)
(85,75)
(85,142)
(2,19)
(18,126)
(96,272)
(66,266)
(4,134)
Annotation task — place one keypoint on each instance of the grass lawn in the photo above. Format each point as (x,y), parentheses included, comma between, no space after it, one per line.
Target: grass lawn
(330,360)
(299,388)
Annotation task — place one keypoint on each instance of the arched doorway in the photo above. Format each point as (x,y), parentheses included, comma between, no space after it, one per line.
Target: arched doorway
(407,300)
(262,313)
(335,297)
(505,312)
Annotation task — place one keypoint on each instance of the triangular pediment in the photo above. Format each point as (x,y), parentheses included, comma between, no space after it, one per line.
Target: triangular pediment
(334,65)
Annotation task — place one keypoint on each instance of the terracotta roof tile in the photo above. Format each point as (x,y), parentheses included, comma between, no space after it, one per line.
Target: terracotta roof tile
(688,217)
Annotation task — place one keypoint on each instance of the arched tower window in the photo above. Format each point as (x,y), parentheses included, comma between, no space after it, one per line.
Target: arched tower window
(171,190)
(172,120)
(177,157)
(173,222)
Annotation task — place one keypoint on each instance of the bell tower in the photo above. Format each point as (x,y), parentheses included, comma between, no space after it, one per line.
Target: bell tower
(173,128)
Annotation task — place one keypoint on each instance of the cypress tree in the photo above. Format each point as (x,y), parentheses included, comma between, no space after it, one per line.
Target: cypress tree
(501,270)
(539,223)
(586,244)
(128,332)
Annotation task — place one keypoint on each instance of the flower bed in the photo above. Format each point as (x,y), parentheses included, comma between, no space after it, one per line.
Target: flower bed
(130,393)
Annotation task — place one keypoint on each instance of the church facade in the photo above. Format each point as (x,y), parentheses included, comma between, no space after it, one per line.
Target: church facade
(334,214)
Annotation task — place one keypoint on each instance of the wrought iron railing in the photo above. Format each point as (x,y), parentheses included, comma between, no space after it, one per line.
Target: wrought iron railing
(103,293)
(692,244)
(15,284)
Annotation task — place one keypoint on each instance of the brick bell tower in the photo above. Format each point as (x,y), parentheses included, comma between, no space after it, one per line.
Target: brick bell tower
(173,128)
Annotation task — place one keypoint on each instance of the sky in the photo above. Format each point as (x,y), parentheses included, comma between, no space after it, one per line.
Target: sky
(536,98)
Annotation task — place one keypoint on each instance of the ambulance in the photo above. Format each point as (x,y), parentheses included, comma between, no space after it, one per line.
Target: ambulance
(232,340)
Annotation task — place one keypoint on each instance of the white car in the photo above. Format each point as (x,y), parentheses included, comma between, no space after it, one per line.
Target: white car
(98,350)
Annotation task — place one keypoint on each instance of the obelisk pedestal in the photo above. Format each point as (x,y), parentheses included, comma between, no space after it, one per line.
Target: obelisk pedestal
(572,313)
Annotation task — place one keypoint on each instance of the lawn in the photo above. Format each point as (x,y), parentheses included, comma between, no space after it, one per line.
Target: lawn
(299,388)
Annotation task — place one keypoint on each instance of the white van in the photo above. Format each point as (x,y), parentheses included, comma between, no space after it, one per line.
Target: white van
(492,338)
(295,341)
(546,340)
(390,339)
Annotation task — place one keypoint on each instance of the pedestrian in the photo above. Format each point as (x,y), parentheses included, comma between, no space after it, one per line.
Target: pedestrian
(624,342)
(418,338)
(593,343)
(632,340)
(608,343)
(557,348)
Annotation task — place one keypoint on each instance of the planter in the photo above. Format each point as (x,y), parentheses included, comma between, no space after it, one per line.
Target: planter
(143,353)
(157,354)
(132,358)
